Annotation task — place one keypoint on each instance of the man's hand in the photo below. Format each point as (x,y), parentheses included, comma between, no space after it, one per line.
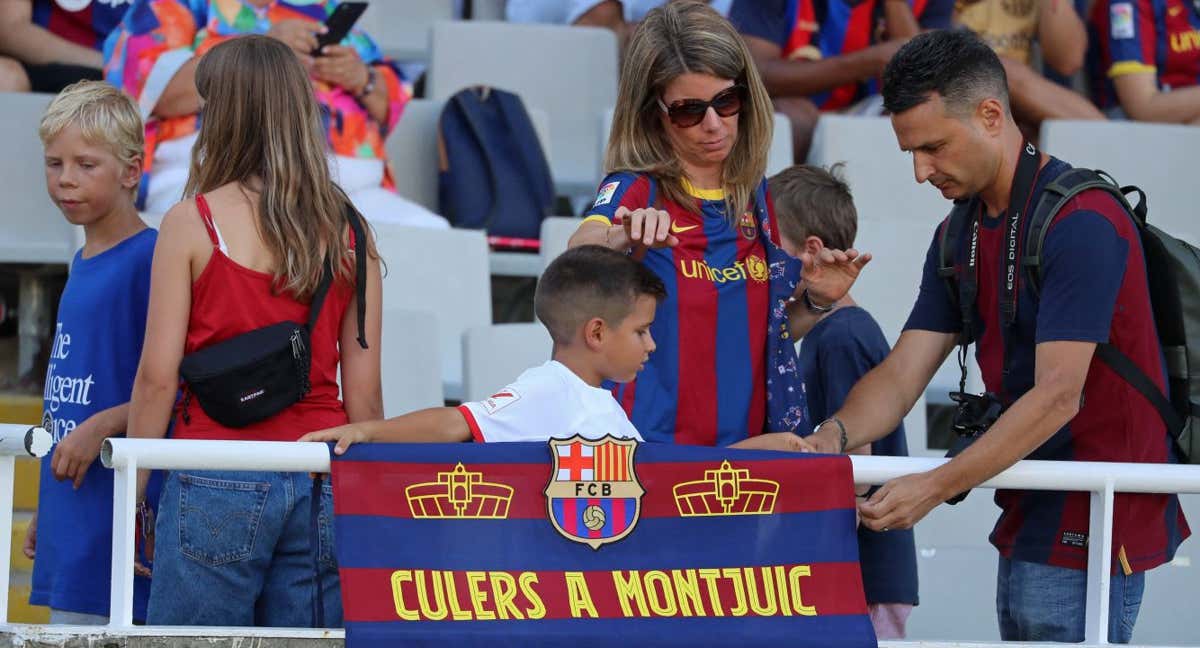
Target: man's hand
(902,502)
(300,35)
(829,274)
(341,66)
(76,452)
(30,546)
(345,435)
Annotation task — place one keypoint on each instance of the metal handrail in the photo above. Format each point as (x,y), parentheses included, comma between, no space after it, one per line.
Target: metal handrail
(1103,480)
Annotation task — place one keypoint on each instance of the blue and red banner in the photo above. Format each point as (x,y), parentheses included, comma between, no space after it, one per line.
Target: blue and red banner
(599,543)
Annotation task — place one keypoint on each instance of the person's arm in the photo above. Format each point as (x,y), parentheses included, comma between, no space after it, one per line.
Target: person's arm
(805,78)
(153,62)
(1036,98)
(37,45)
(878,402)
(1132,33)
(1142,100)
(827,276)
(74,455)
(1062,36)
(899,21)
(433,425)
(1053,401)
(362,391)
(157,381)
(622,218)
(180,96)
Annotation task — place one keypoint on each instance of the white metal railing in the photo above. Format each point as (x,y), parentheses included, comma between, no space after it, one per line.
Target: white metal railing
(15,441)
(127,456)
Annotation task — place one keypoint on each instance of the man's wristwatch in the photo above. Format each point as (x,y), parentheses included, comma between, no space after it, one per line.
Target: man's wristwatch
(842,439)
(808,303)
(370,86)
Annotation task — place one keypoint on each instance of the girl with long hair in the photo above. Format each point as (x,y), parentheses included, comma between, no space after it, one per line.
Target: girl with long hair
(248,249)
(685,193)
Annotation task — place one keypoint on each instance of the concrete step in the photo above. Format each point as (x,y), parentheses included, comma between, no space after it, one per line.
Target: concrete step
(19,563)
(25,484)
(19,609)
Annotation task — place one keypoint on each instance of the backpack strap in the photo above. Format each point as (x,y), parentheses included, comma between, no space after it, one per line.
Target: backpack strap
(360,269)
(948,240)
(1055,196)
(360,284)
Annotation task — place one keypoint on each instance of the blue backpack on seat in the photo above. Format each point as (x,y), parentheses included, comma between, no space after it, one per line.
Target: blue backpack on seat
(492,173)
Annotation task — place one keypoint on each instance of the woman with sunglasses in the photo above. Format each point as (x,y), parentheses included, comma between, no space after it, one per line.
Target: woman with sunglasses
(685,194)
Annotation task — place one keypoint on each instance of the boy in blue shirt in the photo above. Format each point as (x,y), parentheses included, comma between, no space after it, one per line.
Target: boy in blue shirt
(815,210)
(93,140)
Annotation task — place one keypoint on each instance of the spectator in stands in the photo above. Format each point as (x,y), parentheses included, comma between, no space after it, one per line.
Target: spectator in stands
(247,250)
(1011,27)
(52,43)
(598,305)
(825,55)
(949,103)
(153,55)
(92,135)
(1150,60)
(815,211)
(685,194)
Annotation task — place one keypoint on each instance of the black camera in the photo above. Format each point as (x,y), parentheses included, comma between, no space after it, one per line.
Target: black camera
(973,416)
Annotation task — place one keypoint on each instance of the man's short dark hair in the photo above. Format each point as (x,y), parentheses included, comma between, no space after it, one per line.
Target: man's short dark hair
(955,63)
(591,281)
(810,201)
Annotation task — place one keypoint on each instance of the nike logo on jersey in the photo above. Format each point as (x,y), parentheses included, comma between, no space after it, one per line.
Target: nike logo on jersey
(676,229)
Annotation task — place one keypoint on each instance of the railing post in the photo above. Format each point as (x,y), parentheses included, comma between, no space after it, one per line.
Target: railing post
(124,496)
(7,474)
(1099,571)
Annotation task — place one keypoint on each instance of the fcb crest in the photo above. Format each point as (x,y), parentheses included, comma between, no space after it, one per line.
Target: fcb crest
(594,496)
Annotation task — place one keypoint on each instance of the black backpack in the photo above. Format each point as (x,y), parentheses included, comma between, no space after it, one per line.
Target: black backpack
(1173,274)
(493,174)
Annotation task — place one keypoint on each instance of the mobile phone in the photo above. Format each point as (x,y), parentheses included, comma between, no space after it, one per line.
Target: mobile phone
(339,23)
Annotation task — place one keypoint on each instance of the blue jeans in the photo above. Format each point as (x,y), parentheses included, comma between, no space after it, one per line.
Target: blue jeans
(233,549)
(1036,602)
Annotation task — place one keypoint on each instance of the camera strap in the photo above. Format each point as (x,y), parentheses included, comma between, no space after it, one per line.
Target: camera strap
(1021,195)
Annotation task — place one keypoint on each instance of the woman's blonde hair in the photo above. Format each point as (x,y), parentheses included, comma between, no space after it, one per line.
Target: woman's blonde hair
(104,115)
(261,124)
(673,40)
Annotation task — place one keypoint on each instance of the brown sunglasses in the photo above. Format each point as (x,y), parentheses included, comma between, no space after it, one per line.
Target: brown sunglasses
(686,113)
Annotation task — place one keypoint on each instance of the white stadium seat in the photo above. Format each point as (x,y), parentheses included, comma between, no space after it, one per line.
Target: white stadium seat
(32,229)
(569,72)
(444,272)
(1156,157)
(411,361)
(556,231)
(494,355)
(401,28)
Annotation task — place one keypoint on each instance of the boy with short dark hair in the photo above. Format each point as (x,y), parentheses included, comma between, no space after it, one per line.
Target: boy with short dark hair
(598,306)
(815,210)
(92,134)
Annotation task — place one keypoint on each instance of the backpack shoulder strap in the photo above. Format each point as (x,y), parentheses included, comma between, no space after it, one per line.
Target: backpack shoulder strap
(1054,197)
(948,241)
(360,269)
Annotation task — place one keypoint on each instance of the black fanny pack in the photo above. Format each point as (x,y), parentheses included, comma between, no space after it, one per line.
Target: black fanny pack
(255,375)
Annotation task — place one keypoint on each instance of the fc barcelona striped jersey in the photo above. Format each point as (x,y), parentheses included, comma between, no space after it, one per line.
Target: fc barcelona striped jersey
(83,22)
(706,383)
(811,30)
(1159,36)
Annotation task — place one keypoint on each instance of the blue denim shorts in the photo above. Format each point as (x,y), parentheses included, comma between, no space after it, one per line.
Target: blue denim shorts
(1036,602)
(234,549)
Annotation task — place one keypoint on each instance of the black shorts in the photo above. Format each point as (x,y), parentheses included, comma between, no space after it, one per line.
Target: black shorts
(53,77)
